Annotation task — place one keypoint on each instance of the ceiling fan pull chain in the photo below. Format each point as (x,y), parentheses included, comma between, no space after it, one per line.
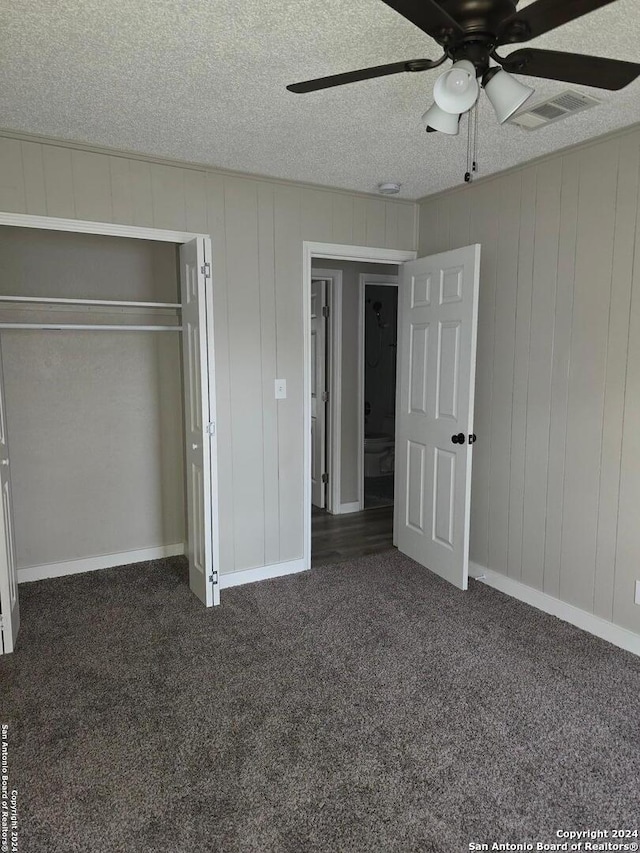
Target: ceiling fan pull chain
(467,174)
(476,114)
(472,144)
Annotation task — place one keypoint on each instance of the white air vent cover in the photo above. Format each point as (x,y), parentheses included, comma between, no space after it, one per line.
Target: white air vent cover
(556,108)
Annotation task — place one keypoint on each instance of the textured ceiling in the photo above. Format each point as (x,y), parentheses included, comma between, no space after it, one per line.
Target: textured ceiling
(204,81)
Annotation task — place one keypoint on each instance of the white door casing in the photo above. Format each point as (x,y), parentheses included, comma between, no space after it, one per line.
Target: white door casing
(9,604)
(333,361)
(438,328)
(200,437)
(318,389)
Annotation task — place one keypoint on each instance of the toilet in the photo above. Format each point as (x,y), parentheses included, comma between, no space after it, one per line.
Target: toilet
(379,451)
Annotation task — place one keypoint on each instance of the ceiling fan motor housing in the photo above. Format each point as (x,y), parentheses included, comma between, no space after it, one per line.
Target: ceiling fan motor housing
(480,21)
(479,17)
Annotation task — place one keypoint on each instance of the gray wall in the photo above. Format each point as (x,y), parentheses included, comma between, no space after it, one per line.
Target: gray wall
(94,418)
(556,469)
(257,227)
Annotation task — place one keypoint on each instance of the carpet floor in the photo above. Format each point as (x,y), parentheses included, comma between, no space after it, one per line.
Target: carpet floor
(363,707)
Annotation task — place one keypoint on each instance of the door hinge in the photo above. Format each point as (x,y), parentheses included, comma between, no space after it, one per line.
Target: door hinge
(205,269)
(325,310)
(1,624)
(210,428)
(213,578)
(325,478)
(325,396)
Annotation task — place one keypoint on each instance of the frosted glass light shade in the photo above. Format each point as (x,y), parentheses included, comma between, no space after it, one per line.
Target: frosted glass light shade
(506,94)
(456,91)
(440,120)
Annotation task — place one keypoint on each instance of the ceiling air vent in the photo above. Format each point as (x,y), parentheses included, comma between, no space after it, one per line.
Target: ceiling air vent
(559,107)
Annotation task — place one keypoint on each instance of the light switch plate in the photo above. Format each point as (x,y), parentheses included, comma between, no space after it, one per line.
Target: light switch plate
(637,598)
(281,389)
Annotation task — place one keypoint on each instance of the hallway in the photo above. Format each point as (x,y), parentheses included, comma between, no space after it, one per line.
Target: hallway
(340,537)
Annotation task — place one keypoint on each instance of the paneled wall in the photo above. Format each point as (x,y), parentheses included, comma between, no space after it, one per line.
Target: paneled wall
(257,227)
(556,469)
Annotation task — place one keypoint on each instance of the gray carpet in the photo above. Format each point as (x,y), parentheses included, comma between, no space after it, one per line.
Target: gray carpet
(361,707)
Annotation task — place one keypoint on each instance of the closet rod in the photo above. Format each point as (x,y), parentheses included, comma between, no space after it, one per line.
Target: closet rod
(51,300)
(63,327)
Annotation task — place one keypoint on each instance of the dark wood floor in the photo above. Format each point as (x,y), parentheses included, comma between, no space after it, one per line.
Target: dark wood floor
(335,538)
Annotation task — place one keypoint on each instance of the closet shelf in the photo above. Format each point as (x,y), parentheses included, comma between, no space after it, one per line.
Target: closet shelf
(120,303)
(63,327)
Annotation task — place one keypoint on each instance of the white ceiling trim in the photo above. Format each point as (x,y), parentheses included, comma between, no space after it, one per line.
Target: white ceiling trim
(201,168)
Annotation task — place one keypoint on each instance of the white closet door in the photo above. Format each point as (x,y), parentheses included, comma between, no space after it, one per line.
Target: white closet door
(434,425)
(8,573)
(199,397)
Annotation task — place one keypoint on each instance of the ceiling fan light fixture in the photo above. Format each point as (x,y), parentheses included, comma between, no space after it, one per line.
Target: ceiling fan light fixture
(505,92)
(456,91)
(437,119)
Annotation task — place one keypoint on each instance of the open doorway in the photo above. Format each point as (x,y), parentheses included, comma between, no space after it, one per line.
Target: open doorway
(339,457)
(437,331)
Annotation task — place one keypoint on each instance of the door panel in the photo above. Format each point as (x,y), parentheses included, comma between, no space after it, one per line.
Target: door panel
(443,497)
(448,370)
(199,390)
(9,604)
(415,490)
(418,368)
(318,386)
(438,325)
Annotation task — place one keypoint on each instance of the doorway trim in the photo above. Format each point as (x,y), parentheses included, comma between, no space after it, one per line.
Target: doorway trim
(109,229)
(313,251)
(365,279)
(334,382)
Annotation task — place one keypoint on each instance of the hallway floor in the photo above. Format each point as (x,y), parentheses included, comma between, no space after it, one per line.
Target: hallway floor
(343,537)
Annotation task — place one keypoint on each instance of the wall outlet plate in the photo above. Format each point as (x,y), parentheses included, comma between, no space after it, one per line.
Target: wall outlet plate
(281,389)
(637,596)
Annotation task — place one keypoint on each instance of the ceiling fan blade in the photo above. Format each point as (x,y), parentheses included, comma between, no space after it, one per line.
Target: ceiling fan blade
(572,68)
(428,16)
(365,74)
(544,15)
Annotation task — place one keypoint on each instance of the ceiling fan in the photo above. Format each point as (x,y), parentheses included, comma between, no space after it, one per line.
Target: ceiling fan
(470,33)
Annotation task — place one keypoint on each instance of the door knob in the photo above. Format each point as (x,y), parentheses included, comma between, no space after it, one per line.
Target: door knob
(5,461)
(195,446)
(472,438)
(460,438)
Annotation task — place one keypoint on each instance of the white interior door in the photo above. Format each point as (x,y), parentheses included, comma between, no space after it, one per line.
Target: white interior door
(200,431)
(9,608)
(438,313)
(318,392)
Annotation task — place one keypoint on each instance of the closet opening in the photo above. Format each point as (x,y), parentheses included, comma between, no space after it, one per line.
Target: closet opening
(107,405)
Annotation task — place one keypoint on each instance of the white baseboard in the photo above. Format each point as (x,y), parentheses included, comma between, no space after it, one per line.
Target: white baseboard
(614,634)
(91,564)
(345,509)
(262,573)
